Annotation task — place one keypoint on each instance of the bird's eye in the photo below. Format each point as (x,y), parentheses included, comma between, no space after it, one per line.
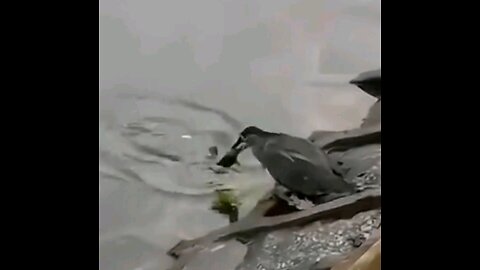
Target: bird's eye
(242,137)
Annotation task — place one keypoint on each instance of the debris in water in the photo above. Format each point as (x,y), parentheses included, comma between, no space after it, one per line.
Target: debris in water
(213,152)
(227,203)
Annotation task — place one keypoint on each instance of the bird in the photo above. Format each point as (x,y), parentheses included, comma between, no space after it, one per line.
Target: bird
(294,163)
(369,82)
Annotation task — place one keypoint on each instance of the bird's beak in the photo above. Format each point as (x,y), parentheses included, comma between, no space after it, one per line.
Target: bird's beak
(354,81)
(240,144)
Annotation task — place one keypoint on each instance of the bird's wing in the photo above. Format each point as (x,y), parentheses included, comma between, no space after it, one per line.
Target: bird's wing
(292,149)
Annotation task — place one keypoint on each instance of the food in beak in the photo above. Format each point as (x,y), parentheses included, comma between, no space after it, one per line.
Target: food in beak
(230,157)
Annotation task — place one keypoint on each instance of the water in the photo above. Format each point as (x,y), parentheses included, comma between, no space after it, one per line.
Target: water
(180,76)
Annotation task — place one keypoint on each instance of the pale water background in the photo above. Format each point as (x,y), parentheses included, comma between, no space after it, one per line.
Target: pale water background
(177,77)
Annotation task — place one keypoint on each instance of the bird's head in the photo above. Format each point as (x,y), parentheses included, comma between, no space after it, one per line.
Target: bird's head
(248,137)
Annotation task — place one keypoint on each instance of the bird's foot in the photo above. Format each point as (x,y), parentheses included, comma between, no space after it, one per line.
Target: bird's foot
(301,204)
(298,201)
(281,193)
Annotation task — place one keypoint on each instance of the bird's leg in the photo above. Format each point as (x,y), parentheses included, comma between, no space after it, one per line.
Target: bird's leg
(301,202)
(297,200)
(282,193)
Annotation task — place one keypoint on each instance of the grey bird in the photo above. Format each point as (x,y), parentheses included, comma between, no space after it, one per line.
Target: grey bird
(294,163)
(370,82)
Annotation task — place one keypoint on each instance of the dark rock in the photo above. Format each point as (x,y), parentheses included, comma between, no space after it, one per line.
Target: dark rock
(370,82)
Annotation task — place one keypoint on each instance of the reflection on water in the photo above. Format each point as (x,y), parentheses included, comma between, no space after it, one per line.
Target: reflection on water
(179,77)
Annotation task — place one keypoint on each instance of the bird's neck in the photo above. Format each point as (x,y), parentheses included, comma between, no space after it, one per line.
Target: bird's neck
(267,134)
